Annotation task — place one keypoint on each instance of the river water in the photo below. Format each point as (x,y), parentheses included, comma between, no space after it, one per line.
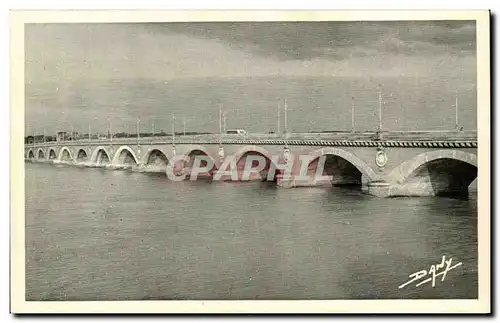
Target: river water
(94,234)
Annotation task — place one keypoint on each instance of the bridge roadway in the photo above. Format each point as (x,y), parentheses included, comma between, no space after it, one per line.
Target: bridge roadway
(382,164)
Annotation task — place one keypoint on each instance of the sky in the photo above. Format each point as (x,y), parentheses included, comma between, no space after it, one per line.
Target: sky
(76,74)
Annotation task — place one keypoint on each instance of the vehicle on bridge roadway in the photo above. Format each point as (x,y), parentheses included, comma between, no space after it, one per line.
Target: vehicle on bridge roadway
(236,132)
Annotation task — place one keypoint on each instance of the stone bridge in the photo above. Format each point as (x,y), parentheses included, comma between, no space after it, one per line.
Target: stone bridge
(389,165)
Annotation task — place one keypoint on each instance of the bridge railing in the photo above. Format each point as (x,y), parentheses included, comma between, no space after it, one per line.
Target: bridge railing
(215,138)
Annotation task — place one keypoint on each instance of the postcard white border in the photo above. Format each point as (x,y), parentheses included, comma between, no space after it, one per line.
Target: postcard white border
(18,303)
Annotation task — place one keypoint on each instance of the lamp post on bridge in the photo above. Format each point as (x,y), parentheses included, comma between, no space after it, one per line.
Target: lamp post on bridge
(64,131)
(110,133)
(173,134)
(222,119)
(220,124)
(173,128)
(286,117)
(224,116)
(279,116)
(138,130)
(380,111)
(184,124)
(34,137)
(456,110)
(352,115)
(90,135)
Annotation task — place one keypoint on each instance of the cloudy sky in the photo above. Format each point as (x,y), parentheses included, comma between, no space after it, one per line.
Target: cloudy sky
(77,72)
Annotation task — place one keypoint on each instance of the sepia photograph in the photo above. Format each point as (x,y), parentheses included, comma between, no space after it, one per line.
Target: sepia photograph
(250,156)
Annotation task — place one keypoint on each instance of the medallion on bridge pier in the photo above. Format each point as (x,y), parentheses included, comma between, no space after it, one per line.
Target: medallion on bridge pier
(381,157)
(286,154)
(220,153)
(173,150)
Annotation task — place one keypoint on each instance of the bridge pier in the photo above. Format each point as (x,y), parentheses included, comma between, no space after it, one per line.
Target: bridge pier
(425,187)
(379,188)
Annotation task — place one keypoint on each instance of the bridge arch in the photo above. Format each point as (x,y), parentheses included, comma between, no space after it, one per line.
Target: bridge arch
(65,154)
(358,164)
(31,154)
(402,172)
(440,172)
(52,154)
(81,155)
(186,163)
(40,154)
(240,159)
(155,157)
(125,156)
(101,156)
(197,150)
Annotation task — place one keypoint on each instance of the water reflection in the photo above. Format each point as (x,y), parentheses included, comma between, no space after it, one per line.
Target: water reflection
(94,234)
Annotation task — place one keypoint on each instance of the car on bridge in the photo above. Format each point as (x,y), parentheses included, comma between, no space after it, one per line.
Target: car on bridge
(236,132)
